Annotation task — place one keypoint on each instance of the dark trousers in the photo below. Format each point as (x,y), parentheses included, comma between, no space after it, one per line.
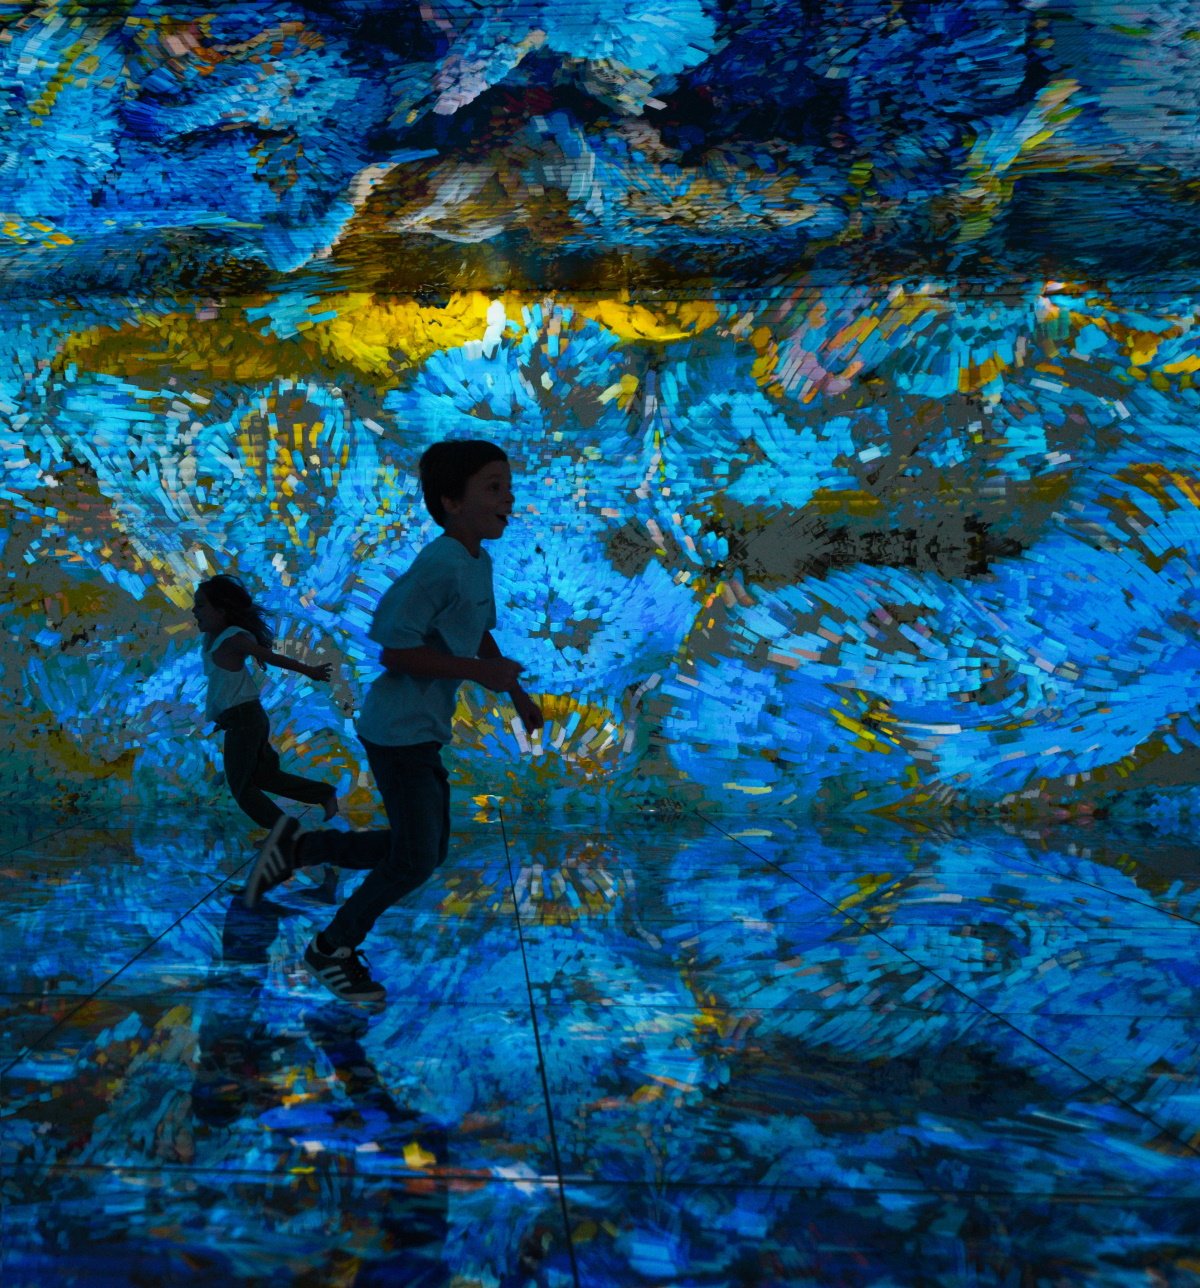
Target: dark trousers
(252,766)
(416,795)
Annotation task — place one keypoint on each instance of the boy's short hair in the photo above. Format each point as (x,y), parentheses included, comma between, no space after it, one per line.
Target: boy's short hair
(445,468)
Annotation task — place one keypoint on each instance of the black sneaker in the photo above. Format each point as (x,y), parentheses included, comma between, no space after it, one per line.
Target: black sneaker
(344,974)
(275,863)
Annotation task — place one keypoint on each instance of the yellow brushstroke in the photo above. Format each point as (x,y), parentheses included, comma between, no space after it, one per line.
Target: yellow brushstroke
(415,1156)
(43,105)
(376,336)
(624,391)
(848,722)
(854,332)
(1165,485)
(974,376)
(631,322)
(849,501)
(226,347)
(868,884)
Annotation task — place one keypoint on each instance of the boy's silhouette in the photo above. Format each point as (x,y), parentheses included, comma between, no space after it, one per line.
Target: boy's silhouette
(434,625)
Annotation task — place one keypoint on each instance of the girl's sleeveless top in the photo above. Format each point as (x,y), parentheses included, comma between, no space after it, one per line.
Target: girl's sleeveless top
(225,688)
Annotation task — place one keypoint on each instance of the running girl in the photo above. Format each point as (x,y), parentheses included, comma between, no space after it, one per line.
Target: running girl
(234,628)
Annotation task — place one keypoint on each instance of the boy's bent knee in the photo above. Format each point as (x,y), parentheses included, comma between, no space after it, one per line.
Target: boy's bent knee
(413,866)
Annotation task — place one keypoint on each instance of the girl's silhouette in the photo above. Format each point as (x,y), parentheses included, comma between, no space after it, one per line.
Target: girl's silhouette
(234,628)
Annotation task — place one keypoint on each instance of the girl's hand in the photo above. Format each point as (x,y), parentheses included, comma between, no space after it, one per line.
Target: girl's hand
(322,671)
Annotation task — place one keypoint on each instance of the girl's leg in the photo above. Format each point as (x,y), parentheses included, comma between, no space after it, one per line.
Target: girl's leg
(246,733)
(271,777)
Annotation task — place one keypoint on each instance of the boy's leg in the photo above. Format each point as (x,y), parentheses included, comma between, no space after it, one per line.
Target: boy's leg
(416,795)
(415,789)
(358,851)
(246,732)
(288,848)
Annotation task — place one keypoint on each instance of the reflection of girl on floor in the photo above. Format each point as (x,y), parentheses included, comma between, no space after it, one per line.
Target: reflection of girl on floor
(233,629)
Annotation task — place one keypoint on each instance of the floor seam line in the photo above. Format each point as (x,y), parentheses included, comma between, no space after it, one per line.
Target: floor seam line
(541,1059)
(95,993)
(999,1017)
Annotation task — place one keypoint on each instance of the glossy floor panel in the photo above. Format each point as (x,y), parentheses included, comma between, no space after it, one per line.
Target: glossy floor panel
(25,823)
(660,1103)
(708,1235)
(314,1228)
(654,1051)
(219,1084)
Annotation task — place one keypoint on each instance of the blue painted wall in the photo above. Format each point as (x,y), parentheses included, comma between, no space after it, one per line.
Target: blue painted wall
(846,354)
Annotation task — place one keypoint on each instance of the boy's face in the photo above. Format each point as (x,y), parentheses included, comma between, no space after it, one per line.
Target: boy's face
(483,510)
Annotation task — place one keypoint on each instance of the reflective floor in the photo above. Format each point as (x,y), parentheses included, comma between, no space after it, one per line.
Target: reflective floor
(649,1051)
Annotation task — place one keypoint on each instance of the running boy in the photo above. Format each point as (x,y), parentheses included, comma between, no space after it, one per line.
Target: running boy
(434,625)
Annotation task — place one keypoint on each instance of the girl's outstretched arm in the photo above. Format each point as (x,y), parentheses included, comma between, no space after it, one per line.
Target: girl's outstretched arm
(237,648)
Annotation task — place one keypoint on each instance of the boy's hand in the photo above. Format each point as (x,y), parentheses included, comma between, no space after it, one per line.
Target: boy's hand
(528,710)
(322,671)
(500,674)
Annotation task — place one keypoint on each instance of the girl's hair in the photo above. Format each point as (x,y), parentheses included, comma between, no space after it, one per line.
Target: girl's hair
(445,468)
(230,597)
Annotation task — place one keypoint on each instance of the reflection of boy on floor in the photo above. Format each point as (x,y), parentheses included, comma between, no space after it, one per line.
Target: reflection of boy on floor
(434,624)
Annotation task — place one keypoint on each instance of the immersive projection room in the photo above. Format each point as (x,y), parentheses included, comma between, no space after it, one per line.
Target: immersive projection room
(821,906)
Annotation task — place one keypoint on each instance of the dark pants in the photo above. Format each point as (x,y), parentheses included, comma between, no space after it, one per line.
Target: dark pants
(416,795)
(252,766)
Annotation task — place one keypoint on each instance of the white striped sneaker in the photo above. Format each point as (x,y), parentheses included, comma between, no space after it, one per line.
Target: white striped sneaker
(276,861)
(343,973)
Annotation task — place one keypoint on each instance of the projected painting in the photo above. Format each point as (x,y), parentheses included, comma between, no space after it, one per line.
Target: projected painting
(846,355)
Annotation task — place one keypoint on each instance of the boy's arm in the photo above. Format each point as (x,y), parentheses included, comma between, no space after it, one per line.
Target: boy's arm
(488,650)
(425,663)
(527,709)
(237,648)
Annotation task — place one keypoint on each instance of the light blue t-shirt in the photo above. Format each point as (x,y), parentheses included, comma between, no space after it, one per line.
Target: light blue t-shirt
(444,601)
